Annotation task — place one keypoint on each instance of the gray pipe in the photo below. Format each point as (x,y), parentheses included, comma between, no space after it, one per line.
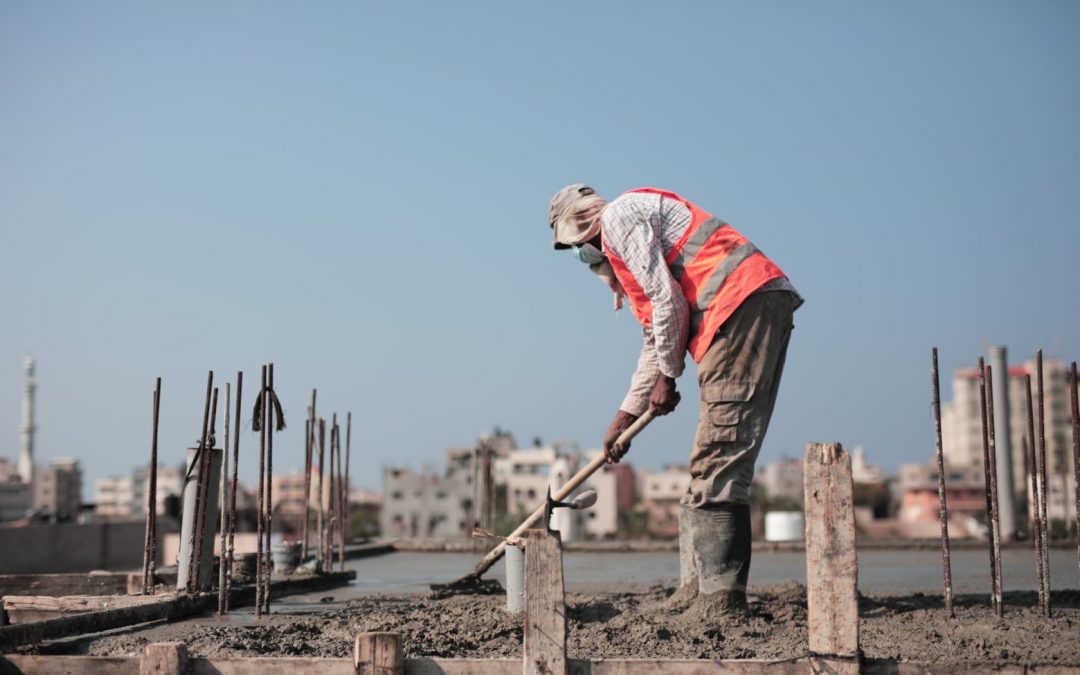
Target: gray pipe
(187,522)
(515,579)
(1003,440)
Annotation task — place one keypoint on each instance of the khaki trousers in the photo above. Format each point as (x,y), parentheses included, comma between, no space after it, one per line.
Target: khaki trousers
(739,378)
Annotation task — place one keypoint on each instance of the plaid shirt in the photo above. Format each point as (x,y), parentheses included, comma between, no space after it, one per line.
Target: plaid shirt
(641,228)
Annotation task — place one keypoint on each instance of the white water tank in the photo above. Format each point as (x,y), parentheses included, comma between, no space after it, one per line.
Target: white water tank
(784,526)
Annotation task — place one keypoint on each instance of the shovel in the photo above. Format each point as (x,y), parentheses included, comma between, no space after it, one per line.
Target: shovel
(471,582)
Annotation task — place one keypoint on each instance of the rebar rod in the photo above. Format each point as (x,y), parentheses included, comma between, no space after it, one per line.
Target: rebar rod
(946,558)
(261,412)
(1074,395)
(1033,480)
(149,548)
(987,473)
(1043,514)
(235,483)
(340,506)
(344,478)
(996,522)
(320,513)
(331,497)
(268,527)
(309,451)
(204,485)
(223,586)
(196,459)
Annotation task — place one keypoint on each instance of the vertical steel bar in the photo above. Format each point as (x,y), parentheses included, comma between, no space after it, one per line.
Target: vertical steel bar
(1074,396)
(197,459)
(1033,479)
(267,529)
(223,566)
(345,486)
(340,506)
(331,497)
(987,473)
(149,551)
(261,412)
(204,487)
(310,453)
(946,559)
(995,503)
(322,501)
(1043,514)
(235,483)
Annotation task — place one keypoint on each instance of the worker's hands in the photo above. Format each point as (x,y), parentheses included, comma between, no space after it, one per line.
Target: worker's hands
(664,398)
(621,423)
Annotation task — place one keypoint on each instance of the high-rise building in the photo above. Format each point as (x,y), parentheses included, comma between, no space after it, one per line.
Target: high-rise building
(961,427)
(58,488)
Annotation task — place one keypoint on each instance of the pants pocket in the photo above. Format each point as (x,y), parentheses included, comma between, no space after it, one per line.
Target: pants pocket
(726,402)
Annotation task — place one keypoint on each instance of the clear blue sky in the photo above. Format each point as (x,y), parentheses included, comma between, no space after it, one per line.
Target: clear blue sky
(358,192)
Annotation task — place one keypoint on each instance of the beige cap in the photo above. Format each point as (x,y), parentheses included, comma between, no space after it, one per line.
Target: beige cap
(568,231)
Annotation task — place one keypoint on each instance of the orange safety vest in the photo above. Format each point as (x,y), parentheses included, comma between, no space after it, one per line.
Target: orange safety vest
(716,267)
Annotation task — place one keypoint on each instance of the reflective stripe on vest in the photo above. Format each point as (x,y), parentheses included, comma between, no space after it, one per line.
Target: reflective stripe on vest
(716,267)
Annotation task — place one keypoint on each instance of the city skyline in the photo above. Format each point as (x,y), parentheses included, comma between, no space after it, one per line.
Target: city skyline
(359,194)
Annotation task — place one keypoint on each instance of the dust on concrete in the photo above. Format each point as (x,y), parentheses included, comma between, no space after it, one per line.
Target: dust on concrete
(638,625)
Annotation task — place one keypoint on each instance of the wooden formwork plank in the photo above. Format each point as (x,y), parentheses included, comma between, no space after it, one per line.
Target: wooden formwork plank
(24,608)
(69,665)
(164,658)
(160,608)
(806,666)
(545,605)
(379,654)
(286,665)
(831,563)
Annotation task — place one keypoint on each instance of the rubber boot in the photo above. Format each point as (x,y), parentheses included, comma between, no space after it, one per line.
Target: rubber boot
(721,543)
(688,581)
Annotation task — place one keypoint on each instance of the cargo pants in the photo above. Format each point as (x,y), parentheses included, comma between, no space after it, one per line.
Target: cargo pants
(739,377)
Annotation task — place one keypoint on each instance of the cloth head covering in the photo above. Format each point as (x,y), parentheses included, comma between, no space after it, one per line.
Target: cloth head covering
(574,216)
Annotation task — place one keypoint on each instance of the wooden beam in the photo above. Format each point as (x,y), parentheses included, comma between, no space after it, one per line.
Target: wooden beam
(164,658)
(379,654)
(129,665)
(26,608)
(157,610)
(831,564)
(545,605)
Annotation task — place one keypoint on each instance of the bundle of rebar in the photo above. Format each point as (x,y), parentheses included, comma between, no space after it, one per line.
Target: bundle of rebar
(223,560)
(196,461)
(227,560)
(990,476)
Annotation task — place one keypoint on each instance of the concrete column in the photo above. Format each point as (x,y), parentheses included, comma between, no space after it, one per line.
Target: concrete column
(187,522)
(1003,440)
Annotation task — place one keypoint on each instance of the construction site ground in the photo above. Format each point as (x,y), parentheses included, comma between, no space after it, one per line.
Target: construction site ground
(632,624)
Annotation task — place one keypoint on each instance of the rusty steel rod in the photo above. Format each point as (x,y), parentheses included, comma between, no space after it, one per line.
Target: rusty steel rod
(345,487)
(998,604)
(340,506)
(269,419)
(309,450)
(943,511)
(150,548)
(1043,513)
(1033,480)
(320,514)
(190,562)
(331,497)
(204,486)
(261,413)
(235,483)
(987,474)
(1074,396)
(223,568)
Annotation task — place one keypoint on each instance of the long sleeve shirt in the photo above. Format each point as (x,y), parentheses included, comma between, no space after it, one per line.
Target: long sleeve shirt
(642,228)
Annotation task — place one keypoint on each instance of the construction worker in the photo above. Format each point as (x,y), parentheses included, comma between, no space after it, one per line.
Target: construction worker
(697,285)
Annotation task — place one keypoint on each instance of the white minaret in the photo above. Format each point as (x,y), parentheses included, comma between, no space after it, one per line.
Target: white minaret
(26,429)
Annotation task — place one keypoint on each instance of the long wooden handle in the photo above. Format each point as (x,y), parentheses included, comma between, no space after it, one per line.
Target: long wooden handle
(569,486)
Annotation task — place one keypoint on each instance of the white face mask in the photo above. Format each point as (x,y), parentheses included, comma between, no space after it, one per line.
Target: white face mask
(588,254)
